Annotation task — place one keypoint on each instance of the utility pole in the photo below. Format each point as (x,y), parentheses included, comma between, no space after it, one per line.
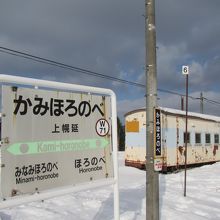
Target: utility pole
(201,103)
(152,177)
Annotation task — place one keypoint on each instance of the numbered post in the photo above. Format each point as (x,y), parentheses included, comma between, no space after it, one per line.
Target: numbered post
(185,70)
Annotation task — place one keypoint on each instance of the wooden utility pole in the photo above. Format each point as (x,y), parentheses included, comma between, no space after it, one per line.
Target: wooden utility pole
(152,180)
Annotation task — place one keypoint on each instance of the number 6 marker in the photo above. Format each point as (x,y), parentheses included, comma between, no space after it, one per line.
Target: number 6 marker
(185,70)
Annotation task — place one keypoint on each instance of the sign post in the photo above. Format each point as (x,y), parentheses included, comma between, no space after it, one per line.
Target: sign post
(58,137)
(185,71)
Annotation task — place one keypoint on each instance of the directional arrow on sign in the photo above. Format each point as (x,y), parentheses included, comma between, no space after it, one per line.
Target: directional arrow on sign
(40,147)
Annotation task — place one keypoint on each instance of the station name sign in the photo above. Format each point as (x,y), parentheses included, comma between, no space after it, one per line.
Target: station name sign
(53,138)
(157,138)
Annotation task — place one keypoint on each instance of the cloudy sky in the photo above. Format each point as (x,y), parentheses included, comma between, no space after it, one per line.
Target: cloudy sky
(107,36)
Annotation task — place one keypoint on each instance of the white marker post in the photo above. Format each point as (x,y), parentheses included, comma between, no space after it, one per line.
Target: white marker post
(185,71)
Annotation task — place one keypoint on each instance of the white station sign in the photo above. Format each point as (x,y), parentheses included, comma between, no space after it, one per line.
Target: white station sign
(53,138)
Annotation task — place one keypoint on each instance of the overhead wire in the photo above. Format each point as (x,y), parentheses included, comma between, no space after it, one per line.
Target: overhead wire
(89,72)
(65,66)
(211,101)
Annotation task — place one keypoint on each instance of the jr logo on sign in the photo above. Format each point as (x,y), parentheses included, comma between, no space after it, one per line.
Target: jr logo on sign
(102,127)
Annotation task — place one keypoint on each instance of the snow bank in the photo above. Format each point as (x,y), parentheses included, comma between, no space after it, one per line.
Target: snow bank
(202,201)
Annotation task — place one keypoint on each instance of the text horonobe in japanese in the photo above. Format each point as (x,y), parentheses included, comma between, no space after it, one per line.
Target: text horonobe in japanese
(89,164)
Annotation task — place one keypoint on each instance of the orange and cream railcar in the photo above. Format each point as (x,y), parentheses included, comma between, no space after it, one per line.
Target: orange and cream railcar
(202,138)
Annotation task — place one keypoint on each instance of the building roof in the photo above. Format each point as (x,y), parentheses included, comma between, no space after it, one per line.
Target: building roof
(179,112)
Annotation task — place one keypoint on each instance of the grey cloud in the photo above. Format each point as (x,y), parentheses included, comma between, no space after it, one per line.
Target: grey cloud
(108,37)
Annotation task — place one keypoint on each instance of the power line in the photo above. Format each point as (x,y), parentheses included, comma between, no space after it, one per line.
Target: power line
(211,101)
(89,72)
(74,68)
(65,66)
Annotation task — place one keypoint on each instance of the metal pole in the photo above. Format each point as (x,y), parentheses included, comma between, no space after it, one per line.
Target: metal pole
(115,157)
(186,133)
(152,180)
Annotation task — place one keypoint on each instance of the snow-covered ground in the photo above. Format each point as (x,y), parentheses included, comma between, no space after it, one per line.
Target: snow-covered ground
(202,201)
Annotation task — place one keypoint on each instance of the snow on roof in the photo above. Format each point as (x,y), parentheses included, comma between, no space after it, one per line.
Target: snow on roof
(192,114)
(179,112)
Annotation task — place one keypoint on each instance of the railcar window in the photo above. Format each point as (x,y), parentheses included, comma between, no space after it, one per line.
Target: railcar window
(188,137)
(216,139)
(207,138)
(198,138)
